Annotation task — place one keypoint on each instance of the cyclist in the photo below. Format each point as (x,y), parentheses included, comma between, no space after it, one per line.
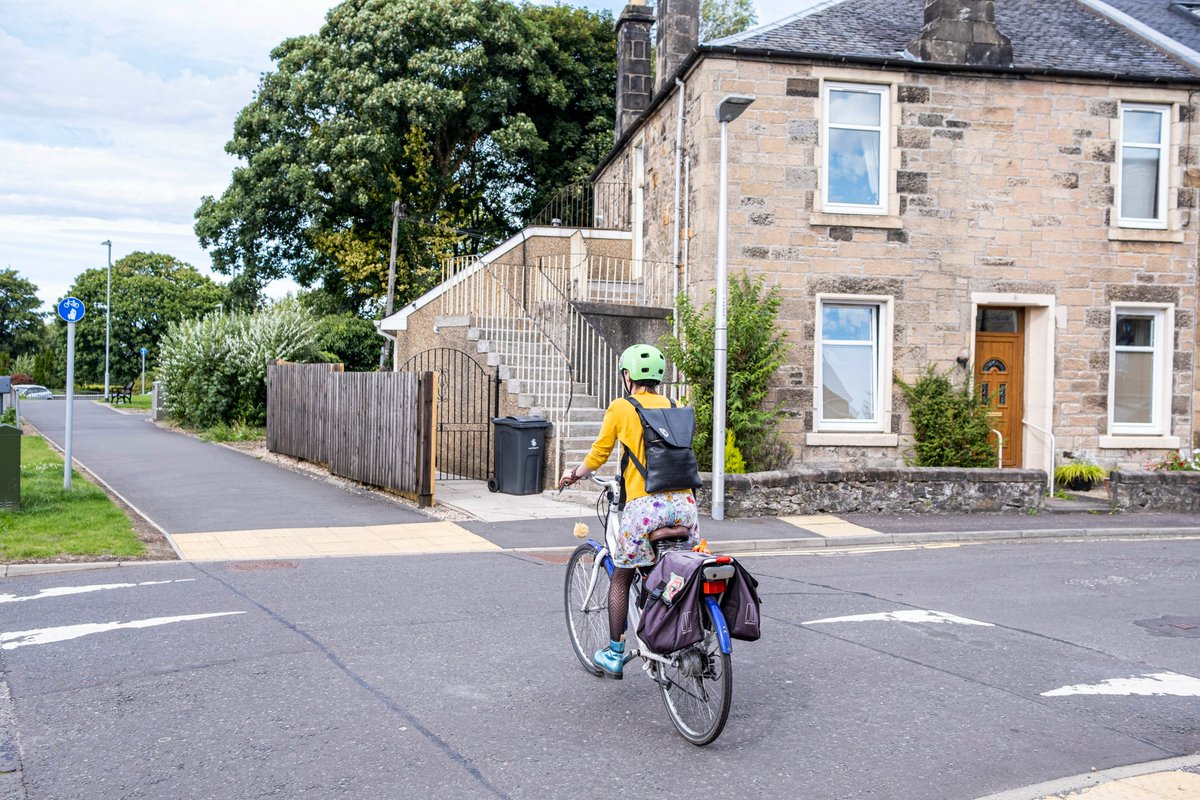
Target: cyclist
(642,370)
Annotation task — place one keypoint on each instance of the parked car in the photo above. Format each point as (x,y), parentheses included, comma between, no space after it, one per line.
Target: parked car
(29,391)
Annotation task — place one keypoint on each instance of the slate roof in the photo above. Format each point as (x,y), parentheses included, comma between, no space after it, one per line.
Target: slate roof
(1057,35)
(1158,14)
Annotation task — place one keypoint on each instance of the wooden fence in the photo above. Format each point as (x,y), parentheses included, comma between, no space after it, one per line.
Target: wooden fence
(373,427)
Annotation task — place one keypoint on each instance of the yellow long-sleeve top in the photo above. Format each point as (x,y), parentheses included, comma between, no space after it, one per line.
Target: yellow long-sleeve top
(621,423)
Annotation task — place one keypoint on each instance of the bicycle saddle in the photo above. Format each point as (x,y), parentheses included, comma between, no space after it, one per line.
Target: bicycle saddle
(675,532)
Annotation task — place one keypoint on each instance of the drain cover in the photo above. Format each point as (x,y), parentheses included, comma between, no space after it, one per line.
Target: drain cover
(259,566)
(1188,627)
(550,558)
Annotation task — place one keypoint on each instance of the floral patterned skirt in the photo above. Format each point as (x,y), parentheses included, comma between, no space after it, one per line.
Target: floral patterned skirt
(647,514)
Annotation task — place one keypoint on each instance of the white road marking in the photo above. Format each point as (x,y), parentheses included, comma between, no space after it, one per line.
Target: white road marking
(1156,684)
(62,591)
(15,639)
(908,615)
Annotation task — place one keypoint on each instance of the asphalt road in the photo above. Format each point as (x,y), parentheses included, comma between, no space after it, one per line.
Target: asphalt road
(451,677)
(186,485)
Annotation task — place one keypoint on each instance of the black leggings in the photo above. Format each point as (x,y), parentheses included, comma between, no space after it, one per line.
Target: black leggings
(618,601)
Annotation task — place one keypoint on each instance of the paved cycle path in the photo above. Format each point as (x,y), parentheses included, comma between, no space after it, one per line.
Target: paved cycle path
(187,486)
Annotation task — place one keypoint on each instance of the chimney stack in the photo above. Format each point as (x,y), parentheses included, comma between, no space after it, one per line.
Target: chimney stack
(677,36)
(633,64)
(962,32)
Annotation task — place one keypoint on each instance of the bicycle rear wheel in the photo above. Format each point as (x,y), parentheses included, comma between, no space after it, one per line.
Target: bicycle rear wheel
(697,688)
(587,616)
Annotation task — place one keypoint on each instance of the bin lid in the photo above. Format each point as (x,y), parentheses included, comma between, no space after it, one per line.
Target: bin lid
(9,430)
(522,422)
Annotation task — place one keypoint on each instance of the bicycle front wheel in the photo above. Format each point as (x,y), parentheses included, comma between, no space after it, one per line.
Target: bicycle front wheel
(697,688)
(587,614)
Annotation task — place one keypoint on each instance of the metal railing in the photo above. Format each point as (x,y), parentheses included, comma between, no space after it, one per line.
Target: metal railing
(1000,450)
(1049,469)
(605,206)
(517,312)
(620,281)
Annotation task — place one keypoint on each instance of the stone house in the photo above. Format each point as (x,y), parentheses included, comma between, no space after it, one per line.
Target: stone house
(1004,190)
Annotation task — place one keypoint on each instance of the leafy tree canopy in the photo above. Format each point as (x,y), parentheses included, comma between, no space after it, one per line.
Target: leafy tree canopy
(20,321)
(351,340)
(719,18)
(469,112)
(150,291)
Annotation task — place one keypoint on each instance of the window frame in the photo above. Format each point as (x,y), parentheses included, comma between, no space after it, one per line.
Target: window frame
(883,93)
(1162,382)
(1164,110)
(882,345)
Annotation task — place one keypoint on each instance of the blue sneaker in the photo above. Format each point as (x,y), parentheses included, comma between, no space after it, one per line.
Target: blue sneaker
(611,660)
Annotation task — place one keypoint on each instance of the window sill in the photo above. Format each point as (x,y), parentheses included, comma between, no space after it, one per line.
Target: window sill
(851,439)
(1144,235)
(856,220)
(1125,442)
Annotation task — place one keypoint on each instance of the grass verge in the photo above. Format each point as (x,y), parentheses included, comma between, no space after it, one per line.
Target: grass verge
(53,522)
(236,432)
(140,401)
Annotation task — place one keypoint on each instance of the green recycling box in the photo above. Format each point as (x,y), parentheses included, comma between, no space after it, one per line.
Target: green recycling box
(10,466)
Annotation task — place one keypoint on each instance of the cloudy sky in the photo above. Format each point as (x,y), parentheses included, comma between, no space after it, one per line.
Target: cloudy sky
(114,115)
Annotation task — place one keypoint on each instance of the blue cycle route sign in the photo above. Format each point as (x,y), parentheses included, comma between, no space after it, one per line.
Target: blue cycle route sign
(144,351)
(71,309)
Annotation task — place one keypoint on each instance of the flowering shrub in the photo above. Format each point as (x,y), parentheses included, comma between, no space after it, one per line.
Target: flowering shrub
(214,370)
(1177,462)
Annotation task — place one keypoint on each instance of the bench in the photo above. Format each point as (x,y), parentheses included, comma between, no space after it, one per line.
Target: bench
(125,393)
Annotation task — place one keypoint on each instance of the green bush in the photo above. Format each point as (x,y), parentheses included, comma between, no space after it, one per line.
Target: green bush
(9,417)
(735,464)
(950,427)
(755,350)
(351,340)
(213,370)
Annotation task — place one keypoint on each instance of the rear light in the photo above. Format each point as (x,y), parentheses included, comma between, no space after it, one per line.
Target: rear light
(724,559)
(714,587)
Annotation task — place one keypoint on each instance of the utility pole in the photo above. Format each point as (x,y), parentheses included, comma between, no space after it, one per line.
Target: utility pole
(391,290)
(107,317)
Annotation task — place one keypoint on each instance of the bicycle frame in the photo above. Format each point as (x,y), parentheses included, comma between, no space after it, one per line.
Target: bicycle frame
(634,646)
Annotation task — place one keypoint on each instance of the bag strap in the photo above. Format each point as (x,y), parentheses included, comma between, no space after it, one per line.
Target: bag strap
(626,455)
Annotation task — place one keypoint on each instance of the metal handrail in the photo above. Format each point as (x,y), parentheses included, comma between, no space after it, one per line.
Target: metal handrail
(1000,452)
(1050,471)
(604,206)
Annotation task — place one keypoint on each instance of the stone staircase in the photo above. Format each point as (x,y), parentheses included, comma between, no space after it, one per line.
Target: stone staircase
(536,372)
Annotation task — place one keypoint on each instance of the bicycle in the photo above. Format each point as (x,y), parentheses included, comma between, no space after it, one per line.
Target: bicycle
(696,682)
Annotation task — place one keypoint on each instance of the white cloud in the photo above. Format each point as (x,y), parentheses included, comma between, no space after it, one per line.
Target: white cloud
(116,117)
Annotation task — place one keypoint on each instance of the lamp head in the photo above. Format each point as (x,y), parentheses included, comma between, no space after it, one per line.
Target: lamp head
(107,242)
(732,106)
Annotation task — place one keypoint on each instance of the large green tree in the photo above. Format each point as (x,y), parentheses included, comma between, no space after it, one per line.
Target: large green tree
(20,321)
(467,112)
(150,291)
(720,18)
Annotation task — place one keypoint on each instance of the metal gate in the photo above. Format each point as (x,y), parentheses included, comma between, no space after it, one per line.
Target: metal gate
(468,399)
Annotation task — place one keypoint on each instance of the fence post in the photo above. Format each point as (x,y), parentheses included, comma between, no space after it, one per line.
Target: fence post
(426,437)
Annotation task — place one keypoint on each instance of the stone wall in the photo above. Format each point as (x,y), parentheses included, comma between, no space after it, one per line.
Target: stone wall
(875,490)
(1156,490)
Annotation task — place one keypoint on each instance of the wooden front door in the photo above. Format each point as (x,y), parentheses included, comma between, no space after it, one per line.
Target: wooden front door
(999,374)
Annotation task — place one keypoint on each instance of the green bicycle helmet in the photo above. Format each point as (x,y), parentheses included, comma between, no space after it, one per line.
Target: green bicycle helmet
(644,363)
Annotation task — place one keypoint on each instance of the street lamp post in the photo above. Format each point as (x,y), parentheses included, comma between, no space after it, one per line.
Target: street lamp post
(729,109)
(107,316)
